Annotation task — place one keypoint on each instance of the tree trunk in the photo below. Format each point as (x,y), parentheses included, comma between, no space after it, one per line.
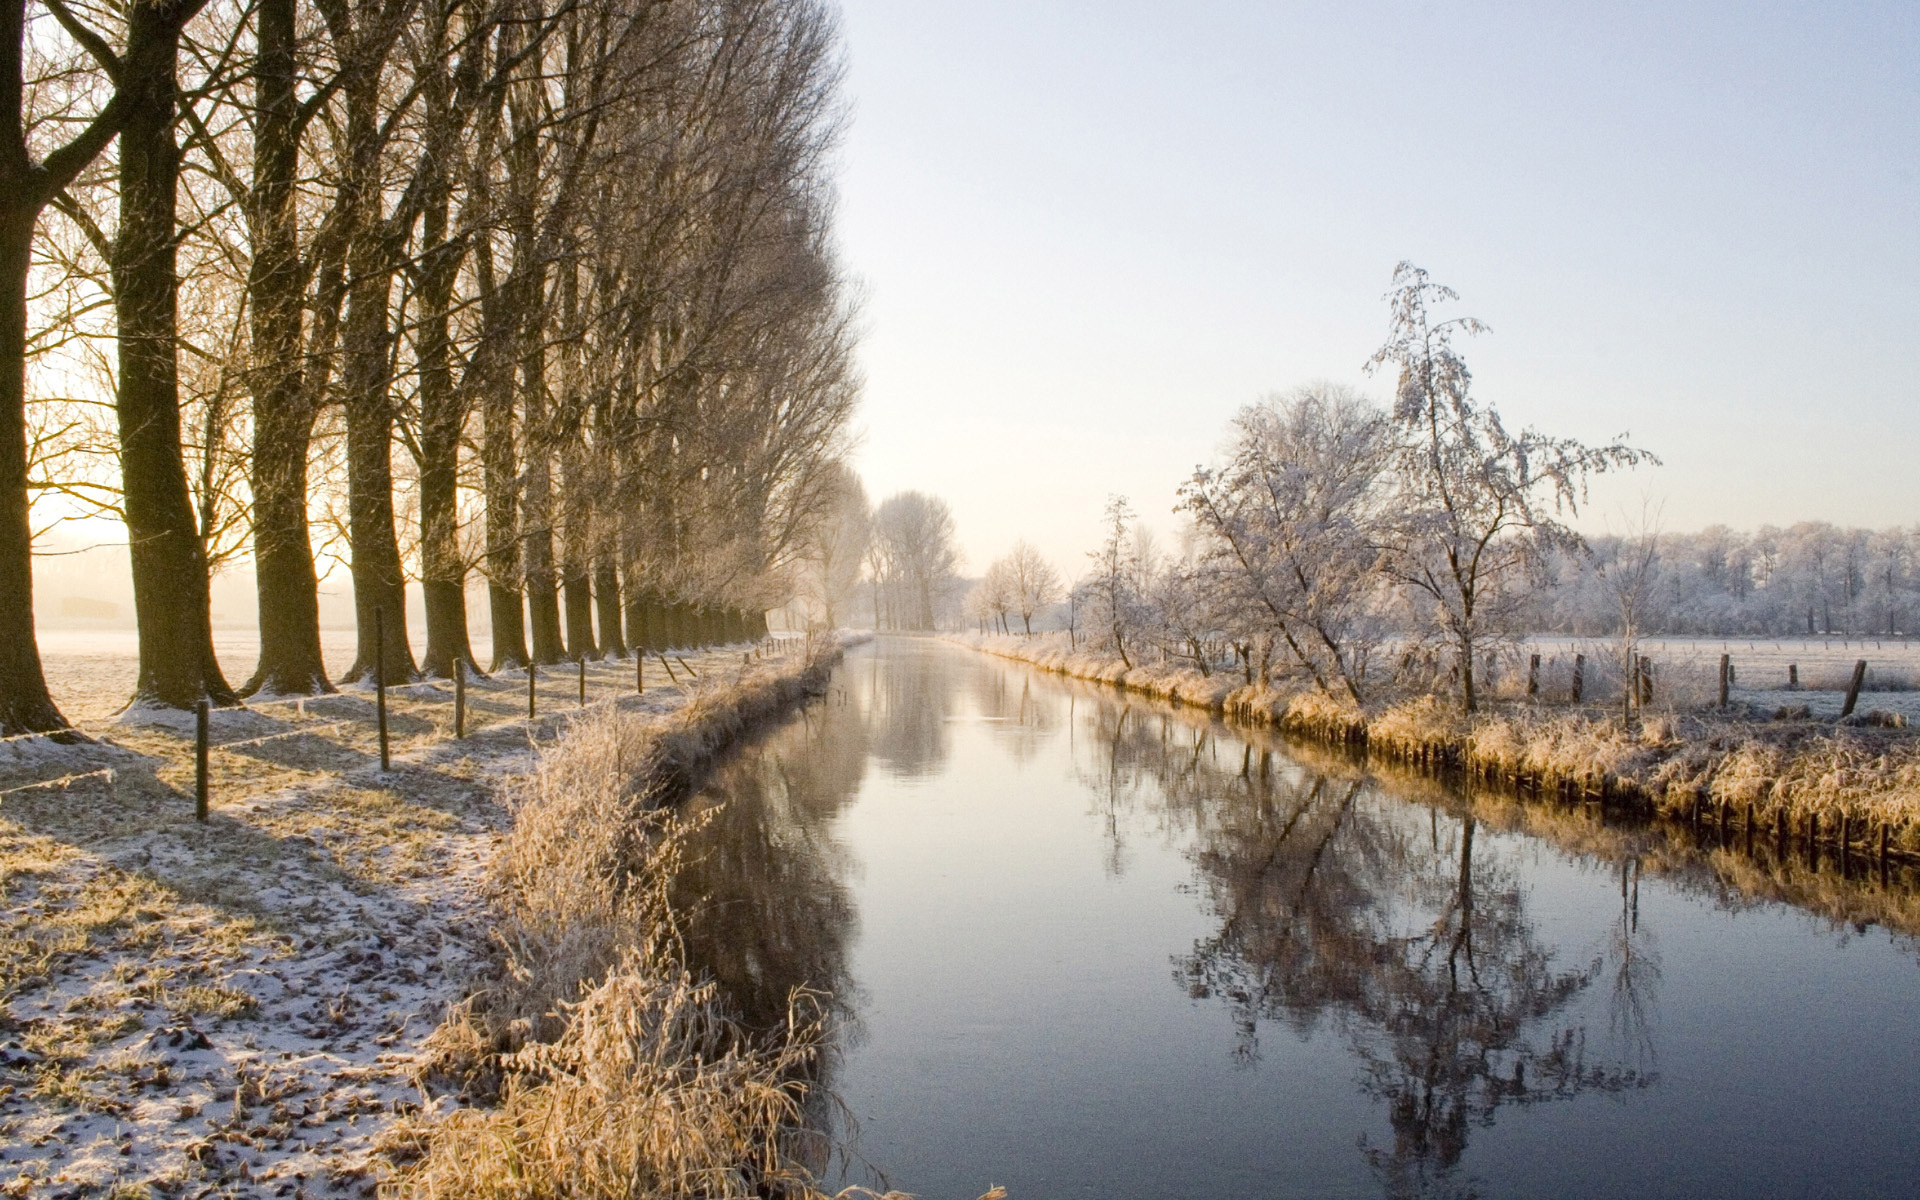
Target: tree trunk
(170,593)
(543,596)
(497,456)
(25,705)
(379,581)
(575,573)
(606,598)
(283,414)
(443,413)
(1469,700)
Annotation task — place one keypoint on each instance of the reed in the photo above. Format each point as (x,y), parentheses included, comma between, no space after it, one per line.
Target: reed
(1845,778)
(596,1063)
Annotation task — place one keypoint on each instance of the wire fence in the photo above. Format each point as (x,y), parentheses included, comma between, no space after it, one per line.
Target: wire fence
(443,696)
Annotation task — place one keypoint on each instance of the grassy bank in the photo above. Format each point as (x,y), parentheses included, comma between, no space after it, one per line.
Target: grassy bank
(590,1060)
(1797,780)
(242,1006)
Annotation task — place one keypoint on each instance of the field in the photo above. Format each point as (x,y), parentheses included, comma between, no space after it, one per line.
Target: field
(1687,671)
(238,1008)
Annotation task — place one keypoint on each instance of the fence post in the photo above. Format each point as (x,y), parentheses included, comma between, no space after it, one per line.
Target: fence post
(1579,675)
(459,698)
(201,715)
(1853,688)
(530,691)
(1726,666)
(1793,677)
(1630,689)
(583,681)
(639,673)
(1533,675)
(380,679)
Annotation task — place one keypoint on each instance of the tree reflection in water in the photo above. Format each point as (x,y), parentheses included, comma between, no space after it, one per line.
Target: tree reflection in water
(907,698)
(763,904)
(1339,904)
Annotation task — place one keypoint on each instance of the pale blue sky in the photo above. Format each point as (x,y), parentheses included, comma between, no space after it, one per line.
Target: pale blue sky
(1088,233)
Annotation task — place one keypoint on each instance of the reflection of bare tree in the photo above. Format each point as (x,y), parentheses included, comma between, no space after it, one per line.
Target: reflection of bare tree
(908,696)
(764,907)
(1422,954)
(1636,971)
(1336,905)
(1023,722)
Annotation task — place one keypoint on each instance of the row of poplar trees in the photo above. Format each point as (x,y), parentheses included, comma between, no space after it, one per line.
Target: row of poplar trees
(555,274)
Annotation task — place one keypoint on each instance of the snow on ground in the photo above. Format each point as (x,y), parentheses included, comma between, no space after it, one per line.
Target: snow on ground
(234,1008)
(1687,670)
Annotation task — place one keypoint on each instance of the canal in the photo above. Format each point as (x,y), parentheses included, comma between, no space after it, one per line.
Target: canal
(1079,943)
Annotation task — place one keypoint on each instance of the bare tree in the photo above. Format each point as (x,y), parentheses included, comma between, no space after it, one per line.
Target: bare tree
(836,549)
(1630,568)
(1289,525)
(1112,591)
(1034,582)
(915,534)
(1475,507)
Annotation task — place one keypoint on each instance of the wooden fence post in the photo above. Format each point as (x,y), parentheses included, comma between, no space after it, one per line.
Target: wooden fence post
(583,681)
(1630,689)
(1853,688)
(1726,668)
(459,698)
(202,713)
(530,691)
(639,673)
(1533,675)
(1579,676)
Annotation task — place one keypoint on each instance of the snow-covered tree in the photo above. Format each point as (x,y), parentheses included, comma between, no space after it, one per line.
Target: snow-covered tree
(1475,506)
(1289,523)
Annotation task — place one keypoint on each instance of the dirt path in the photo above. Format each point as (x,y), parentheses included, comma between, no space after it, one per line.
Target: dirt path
(234,1008)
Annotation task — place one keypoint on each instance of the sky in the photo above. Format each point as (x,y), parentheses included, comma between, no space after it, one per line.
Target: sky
(1085,235)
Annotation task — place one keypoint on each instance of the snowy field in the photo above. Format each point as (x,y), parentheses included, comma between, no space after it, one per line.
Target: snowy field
(236,1008)
(91,672)
(1687,671)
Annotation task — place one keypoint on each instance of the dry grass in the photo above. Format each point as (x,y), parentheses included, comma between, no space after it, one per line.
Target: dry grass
(1852,779)
(603,1066)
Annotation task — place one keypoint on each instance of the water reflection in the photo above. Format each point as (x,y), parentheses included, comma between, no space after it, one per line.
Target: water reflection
(1336,904)
(766,907)
(907,700)
(1395,920)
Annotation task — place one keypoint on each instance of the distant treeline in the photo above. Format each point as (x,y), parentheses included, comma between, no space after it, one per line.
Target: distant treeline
(1811,578)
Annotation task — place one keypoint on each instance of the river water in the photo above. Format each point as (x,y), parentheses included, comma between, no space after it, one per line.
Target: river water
(1085,944)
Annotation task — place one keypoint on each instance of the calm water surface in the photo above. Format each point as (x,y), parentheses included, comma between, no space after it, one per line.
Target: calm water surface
(1083,944)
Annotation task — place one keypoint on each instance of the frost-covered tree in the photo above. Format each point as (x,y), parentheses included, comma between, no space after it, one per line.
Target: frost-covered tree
(913,534)
(996,594)
(1474,505)
(1630,568)
(1031,580)
(1288,527)
(1112,595)
(835,547)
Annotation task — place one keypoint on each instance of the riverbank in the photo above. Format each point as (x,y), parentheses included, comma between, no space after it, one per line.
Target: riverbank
(1857,788)
(249,1006)
(590,1059)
